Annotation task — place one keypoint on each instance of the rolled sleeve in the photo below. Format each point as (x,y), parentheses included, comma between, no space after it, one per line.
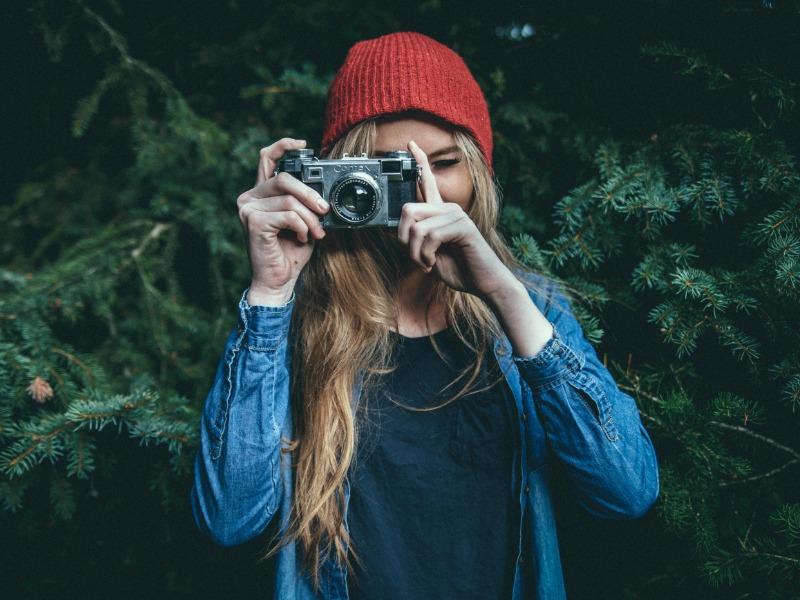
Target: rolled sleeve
(555,361)
(265,327)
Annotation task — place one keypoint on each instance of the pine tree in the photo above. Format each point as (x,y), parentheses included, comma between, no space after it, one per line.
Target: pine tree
(653,170)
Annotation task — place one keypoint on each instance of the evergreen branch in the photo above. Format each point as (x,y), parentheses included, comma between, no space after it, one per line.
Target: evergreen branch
(118,42)
(162,430)
(80,460)
(45,435)
(91,412)
(758,436)
(693,62)
(77,361)
(637,390)
(115,38)
(56,375)
(788,517)
(85,274)
(774,471)
(780,557)
(156,231)
(185,122)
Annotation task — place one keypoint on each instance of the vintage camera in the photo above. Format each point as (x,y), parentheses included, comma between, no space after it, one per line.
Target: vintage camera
(362,192)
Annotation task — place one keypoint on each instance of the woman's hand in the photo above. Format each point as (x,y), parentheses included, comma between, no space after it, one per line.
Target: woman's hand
(280,217)
(441,237)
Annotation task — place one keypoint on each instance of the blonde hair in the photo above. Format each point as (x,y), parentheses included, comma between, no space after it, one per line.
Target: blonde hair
(343,313)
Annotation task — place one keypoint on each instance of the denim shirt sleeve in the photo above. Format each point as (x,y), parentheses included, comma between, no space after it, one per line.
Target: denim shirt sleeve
(592,427)
(237,483)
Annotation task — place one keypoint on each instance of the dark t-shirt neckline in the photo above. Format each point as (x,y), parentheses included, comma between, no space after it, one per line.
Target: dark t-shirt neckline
(437,335)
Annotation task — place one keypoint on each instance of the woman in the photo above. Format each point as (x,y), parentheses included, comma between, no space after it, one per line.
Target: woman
(330,405)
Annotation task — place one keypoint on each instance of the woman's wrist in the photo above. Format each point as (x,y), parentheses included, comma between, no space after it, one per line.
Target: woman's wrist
(268,297)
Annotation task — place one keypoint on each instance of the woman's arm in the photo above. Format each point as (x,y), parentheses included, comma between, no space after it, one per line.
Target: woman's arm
(237,479)
(592,426)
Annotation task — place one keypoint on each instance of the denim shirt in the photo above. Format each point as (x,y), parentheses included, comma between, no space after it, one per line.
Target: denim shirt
(569,409)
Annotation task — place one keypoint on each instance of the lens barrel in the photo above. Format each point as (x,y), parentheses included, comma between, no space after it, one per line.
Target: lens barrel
(354,198)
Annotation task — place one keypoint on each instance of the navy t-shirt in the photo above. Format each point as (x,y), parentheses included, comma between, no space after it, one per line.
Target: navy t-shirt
(431,510)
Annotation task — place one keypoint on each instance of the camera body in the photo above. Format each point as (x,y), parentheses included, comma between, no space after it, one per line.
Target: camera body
(362,192)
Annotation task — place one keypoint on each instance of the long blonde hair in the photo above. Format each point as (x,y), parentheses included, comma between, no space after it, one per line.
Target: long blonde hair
(343,314)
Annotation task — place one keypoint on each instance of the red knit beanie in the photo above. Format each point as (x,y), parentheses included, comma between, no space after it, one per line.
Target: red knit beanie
(406,71)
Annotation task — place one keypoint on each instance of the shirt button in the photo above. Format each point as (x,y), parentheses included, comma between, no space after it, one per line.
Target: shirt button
(527,489)
(502,351)
(524,416)
(521,559)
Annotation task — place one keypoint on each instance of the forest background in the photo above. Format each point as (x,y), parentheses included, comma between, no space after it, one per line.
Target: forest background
(647,154)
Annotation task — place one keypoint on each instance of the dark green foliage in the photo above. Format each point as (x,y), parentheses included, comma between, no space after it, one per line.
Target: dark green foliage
(648,157)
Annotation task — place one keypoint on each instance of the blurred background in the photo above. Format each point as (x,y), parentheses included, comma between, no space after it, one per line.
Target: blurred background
(647,154)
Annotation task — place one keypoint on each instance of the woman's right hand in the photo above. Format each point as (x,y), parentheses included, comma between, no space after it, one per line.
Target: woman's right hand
(280,217)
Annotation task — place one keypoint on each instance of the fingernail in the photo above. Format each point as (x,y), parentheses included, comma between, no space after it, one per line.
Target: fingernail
(322,203)
(301,141)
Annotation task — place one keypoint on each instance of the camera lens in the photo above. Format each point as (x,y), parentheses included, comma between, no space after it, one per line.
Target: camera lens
(354,199)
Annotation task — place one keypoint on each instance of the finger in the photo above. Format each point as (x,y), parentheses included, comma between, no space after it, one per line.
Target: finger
(269,156)
(457,230)
(416,211)
(287,202)
(428,228)
(436,238)
(284,183)
(428,187)
(273,222)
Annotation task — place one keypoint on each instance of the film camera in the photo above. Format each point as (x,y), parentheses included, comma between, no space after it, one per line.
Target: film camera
(362,192)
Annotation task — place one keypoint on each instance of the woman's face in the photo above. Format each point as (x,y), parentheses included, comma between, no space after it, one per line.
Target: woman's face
(446,160)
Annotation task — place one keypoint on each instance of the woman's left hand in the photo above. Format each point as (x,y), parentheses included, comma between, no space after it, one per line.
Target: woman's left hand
(441,237)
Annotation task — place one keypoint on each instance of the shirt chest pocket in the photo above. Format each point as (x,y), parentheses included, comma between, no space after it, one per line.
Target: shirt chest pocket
(481,435)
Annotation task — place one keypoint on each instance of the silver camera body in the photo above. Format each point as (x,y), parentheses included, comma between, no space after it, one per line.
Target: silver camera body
(362,192)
